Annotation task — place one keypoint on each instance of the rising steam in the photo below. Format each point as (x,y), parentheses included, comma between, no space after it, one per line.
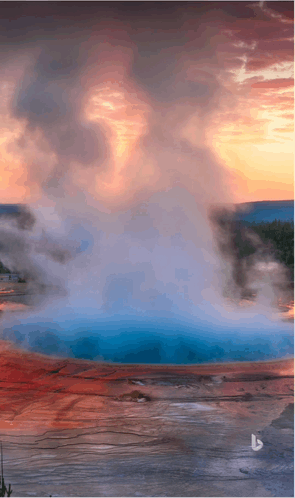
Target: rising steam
(106,115)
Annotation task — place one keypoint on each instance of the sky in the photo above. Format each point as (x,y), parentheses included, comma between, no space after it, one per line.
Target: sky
(122,124)
(216,74)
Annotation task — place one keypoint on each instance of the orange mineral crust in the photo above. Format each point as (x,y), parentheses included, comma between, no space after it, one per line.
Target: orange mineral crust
(38,391)
(83,428)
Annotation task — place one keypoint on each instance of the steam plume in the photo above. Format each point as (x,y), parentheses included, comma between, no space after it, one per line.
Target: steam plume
(106,113)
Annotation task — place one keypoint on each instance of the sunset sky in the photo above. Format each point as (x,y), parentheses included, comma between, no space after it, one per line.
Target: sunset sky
(94,93)
(122,123)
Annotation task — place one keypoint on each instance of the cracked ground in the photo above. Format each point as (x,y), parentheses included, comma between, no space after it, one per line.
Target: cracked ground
(81,428)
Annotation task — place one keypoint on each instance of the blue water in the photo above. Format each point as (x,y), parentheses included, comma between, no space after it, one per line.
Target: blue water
(265,211)
(151,341)
(161,340)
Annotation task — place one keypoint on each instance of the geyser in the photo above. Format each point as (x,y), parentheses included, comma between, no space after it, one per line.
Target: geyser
(107,118)
(148,285)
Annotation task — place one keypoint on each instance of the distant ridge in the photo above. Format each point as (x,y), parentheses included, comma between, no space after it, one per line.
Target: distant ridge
(10,209)
(283,203)
(264,211)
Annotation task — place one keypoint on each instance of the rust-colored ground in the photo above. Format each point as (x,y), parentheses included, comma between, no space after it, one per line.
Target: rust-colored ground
(80,428)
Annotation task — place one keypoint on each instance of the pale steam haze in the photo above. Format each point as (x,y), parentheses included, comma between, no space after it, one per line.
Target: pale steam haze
(122,125)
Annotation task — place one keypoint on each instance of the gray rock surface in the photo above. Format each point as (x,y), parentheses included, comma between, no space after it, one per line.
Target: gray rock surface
(74,428)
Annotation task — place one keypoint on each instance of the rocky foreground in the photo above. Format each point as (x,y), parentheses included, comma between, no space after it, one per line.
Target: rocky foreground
(80,428)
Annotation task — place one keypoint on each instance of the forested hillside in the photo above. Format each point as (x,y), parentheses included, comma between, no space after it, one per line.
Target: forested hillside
(278,234)
(3,269)
(281,236)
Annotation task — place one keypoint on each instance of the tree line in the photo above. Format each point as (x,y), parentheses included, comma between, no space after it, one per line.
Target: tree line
(3,269)
(280,236)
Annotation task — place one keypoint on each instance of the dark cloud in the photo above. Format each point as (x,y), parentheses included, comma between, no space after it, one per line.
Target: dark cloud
(285,9)
(239,10)
(49,98)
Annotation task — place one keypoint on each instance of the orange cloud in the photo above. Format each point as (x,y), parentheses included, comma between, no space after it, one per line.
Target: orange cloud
(126,117)
(286,129)
(120,88)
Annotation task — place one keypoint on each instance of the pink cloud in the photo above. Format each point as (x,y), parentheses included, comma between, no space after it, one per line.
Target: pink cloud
(274,83)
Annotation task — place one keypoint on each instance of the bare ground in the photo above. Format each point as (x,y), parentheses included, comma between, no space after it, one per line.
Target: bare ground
(81,428)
